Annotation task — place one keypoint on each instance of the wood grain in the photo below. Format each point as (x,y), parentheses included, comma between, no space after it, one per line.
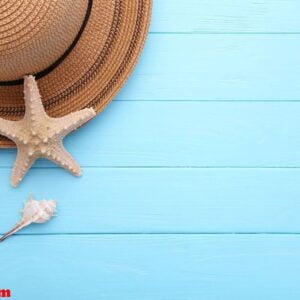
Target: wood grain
(155,200)
(217,67)
(152,267)
(191,134)
(225,16)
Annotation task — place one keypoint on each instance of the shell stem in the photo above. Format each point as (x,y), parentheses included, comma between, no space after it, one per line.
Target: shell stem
(12,231)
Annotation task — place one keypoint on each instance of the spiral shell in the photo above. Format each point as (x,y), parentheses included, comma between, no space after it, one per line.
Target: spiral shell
(34,212)
(38,211)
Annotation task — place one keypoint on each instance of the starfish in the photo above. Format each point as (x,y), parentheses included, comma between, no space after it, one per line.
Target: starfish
(38,135)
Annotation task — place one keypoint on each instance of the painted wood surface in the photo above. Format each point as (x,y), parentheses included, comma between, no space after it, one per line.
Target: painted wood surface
(192,134)
(217,67)
(226,16)
(191,185)
(152,267)
(161,200)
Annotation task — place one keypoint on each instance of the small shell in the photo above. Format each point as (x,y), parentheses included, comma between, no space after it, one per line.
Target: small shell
(34,212)
(38,211)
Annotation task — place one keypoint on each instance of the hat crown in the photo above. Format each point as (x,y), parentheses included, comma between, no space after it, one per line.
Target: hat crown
(34,34)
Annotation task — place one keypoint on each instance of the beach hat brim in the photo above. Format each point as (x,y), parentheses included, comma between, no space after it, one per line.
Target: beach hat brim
(94,68)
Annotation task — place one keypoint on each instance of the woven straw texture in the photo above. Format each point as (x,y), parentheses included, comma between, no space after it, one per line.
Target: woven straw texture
(81,51)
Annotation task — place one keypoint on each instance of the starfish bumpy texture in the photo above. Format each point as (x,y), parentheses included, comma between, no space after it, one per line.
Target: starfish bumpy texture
(38,135)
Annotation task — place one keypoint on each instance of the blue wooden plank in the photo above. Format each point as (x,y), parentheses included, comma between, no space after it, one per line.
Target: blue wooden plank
(160,200)
(202,134)
(245,16)
(147,267)
(217,67)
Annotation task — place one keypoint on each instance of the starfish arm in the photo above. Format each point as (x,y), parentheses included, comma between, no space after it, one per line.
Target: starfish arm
(63,158)
(33,103)
(10,129)
(72,121)
(22,165)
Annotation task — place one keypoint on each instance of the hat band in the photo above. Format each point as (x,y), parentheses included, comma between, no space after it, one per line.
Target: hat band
(60,59)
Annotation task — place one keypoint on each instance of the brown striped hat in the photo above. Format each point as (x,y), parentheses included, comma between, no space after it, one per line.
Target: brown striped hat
(81,51)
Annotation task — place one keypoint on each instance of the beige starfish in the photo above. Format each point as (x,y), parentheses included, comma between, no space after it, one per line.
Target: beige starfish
(38,135)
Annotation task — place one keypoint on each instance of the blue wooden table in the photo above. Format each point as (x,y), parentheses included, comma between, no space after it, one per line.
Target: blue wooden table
(191,186)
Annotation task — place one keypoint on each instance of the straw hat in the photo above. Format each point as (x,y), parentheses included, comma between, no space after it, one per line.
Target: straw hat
(81,51)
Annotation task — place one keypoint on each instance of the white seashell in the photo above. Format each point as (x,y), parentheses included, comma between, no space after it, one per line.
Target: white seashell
(34,212)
